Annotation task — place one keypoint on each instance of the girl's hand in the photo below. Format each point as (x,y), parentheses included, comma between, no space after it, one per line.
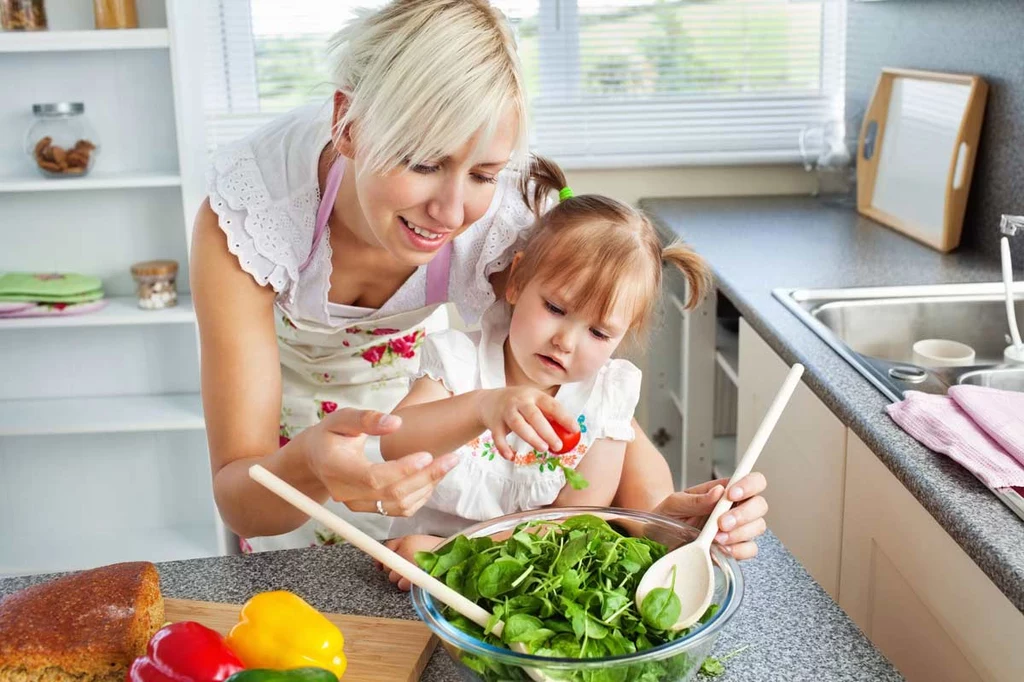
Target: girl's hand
(334,454)
(739,527)
(521,410)
(407,547)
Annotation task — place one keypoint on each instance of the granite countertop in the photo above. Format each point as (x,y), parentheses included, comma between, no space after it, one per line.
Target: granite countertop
(757,244)
(791,628)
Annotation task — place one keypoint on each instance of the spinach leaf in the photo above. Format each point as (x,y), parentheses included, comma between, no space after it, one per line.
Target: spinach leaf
(660,609)
(574,478)
(451,555)
(572,553)
(498,578)
(712,667)
(518,625)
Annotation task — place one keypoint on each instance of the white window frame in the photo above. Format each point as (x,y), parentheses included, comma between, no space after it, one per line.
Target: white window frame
(558,31)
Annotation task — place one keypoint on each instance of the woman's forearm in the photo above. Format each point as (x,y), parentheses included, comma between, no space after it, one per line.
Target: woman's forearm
(249,509)
(646,477)
(437,427)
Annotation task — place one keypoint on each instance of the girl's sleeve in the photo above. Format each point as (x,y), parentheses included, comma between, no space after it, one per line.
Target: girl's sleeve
(449,357)
(617,393)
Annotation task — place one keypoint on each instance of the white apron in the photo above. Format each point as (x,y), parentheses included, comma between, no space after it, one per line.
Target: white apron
(365,365)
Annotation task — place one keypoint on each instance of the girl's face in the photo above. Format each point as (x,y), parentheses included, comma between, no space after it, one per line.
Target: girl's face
(412,211)
(553,344)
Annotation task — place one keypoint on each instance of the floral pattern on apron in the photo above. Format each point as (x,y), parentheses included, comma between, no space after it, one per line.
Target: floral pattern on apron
(365,365)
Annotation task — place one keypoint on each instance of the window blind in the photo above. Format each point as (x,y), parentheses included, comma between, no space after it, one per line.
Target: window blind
(612,83)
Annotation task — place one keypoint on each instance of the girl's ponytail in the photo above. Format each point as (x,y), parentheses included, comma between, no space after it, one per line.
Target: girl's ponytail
(693,267)
(545,177)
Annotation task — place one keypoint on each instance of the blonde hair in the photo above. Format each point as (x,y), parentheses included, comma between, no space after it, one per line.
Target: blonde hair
(595,243)
(424,76)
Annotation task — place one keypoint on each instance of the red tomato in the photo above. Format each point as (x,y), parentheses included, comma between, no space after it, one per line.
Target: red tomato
(569,438)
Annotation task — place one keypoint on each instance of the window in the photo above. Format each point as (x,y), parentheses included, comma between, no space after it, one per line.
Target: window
(612,83)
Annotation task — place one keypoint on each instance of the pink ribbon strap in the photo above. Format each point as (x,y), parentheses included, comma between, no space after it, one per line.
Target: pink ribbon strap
(438,268)
(323,211)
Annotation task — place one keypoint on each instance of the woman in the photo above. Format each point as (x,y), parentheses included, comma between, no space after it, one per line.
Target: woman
(347,228)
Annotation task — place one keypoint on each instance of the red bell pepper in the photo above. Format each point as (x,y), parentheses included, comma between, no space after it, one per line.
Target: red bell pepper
(185,652)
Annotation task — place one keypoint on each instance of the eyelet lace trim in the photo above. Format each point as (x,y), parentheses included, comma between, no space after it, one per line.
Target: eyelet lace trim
(504,232)
(267,236)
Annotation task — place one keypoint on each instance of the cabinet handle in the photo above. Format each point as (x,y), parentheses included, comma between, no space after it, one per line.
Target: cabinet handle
(661,437)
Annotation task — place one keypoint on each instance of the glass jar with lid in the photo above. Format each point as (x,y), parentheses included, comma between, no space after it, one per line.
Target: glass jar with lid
(61,142)
(155,283)
(22,15)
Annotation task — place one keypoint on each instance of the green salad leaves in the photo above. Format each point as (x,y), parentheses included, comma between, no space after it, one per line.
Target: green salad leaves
(564,590)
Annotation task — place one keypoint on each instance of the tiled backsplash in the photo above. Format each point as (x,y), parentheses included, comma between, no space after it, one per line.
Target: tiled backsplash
(983,37)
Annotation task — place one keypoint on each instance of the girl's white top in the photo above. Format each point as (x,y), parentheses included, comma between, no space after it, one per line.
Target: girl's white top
(484,485)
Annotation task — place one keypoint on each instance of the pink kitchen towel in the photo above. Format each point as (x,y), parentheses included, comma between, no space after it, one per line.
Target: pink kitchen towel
(942,425)
(999,413)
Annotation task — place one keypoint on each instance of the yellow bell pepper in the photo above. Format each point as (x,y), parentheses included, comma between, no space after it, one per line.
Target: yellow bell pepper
(279,630)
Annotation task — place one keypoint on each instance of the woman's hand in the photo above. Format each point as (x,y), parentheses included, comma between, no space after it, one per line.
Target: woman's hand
(521,410)
(739,526)
(334,454)
(407,547)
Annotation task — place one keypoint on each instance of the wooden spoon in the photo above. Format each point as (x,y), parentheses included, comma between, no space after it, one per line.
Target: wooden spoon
(688,570)
(396,562)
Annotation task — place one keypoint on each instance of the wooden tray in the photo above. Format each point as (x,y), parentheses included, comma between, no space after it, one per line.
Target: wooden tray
(376,648)
(915,156)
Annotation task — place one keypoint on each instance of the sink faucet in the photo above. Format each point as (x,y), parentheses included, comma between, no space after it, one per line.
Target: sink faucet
(1009,224)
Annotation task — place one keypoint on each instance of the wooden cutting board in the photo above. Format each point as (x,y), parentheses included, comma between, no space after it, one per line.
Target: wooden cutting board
(376,648)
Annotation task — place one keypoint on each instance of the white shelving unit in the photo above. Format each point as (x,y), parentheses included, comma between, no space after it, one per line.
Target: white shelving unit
(113,414)
(727,353)
(120,311)
(79,41)
(93,181)
(100,414)
(726,383)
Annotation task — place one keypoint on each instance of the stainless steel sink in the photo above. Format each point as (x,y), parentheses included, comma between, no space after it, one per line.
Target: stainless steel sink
(875,329)
(1007,379)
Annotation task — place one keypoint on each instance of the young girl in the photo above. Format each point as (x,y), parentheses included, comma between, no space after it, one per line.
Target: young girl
(588,278)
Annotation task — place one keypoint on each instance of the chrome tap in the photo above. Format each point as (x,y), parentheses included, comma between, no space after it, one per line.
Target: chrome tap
(1009,224)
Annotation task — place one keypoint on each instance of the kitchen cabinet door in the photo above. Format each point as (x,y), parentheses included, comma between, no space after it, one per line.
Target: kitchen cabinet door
(678,401)
(803,460)
(922,601)
(661,405)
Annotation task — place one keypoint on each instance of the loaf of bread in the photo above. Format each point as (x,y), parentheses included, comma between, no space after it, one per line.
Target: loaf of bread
(84,627)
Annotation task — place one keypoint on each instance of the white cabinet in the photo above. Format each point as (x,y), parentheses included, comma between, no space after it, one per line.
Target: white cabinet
(803,460)
(865,538)
(923,602)
(102,446)
(679,381)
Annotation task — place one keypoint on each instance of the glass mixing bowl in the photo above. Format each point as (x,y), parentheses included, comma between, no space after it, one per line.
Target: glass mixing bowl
(676,661)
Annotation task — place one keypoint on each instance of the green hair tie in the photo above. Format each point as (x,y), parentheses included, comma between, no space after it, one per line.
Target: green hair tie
(565,193)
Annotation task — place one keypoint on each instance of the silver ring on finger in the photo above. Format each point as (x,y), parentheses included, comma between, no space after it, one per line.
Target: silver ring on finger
(380,508)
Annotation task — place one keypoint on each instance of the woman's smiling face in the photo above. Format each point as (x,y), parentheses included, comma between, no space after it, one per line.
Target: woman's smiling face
(412,211)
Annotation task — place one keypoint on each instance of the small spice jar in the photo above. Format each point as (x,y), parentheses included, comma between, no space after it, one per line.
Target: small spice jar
(155,283)
(22,15)
(115,14)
